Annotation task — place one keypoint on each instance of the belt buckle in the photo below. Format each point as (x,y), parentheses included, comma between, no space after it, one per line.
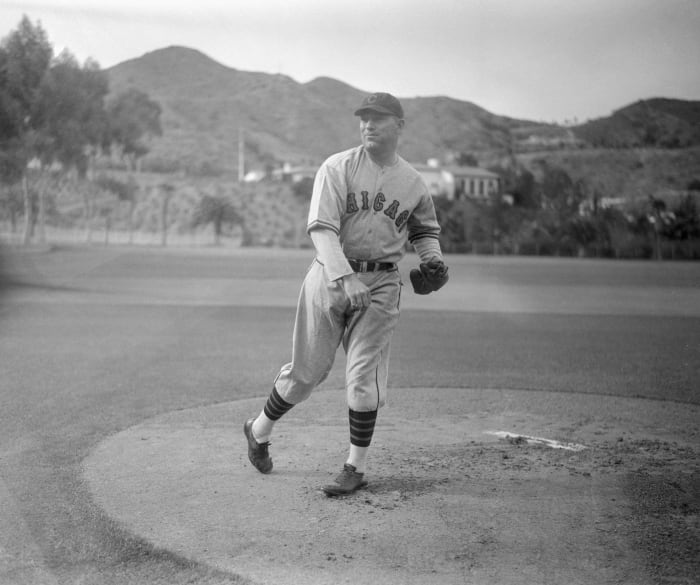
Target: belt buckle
(364,265)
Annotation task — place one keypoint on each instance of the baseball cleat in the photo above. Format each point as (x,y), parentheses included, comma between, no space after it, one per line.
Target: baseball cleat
(257,452)
(346,483)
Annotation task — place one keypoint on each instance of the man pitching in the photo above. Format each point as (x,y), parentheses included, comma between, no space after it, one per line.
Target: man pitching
(367,202)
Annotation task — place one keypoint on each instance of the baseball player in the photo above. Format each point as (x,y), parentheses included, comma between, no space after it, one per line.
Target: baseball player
(367,202)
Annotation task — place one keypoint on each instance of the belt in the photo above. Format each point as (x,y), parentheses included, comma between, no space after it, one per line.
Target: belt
(370,266)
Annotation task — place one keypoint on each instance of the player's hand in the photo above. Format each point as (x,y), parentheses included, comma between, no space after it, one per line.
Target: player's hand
(357,293)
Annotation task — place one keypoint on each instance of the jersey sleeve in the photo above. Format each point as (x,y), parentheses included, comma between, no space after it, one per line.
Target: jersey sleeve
(423,223)
(326,207)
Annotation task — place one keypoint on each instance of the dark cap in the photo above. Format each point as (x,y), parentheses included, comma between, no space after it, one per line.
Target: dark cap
(383,103)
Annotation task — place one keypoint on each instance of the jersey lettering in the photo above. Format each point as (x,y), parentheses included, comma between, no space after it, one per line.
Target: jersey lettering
(351,203)
(392,209)
(401,219)
(379,200)
(391,212)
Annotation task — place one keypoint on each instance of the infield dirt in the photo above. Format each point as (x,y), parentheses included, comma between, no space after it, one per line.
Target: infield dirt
(448,501)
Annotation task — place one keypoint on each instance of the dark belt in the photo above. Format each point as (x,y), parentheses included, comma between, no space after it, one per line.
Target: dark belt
(370,266)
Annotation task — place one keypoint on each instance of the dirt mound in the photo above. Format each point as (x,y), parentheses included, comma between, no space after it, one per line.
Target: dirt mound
(448,500)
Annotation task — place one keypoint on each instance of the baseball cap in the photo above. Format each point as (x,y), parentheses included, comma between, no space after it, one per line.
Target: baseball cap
(383,103)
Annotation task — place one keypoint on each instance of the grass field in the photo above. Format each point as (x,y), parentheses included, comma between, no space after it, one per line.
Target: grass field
(94,340)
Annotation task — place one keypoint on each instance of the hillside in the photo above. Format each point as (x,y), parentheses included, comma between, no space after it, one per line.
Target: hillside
(658,122)
(205,103)
(641,149)
(633,173)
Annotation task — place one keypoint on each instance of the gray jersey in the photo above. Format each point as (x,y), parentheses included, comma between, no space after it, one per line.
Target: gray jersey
(374,210)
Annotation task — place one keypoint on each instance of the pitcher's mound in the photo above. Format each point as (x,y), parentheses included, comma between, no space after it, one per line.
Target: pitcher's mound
(465,486)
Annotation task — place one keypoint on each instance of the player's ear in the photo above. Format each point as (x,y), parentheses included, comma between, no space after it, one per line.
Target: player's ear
(400,122)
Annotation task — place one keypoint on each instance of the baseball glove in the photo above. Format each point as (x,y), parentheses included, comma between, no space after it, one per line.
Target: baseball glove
(429,277)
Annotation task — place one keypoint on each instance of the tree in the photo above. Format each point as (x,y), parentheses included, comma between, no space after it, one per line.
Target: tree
(520,184)
(69,119)
(659,219)
(51,110)
(70,113)
(515,227)
(166,191)
(303,188)
(12,155)
(25,56)
(11,204)
(561,199)
(694,185)
(682,224)
(12,161)
(133,117)
(125,192)
(451,220)
(618,234)
(466,159)
(217,210)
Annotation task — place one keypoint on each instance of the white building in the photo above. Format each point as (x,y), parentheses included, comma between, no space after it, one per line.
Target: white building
(455,182)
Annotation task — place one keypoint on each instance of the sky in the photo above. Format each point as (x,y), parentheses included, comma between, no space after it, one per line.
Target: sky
(545,60)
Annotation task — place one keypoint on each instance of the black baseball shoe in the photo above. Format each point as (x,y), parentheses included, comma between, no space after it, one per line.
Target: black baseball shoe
(257,452)
(346,483)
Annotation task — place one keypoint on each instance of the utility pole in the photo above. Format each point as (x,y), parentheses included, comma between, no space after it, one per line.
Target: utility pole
(241,155)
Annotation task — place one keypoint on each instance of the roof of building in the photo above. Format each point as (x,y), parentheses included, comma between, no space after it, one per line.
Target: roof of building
(457,171)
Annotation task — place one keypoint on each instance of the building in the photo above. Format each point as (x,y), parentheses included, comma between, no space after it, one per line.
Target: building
(440,183)
(455,182)
(294,174)
(288,173)
(474,182)
(452,182)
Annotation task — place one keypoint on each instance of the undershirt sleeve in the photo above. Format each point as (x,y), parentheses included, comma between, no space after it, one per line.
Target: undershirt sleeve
(329,253)
(325,208)
(428,248)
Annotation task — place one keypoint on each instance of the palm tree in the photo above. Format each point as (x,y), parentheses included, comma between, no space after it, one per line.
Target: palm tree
(217,210)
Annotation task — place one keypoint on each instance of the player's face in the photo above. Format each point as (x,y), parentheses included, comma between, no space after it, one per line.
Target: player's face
(380,132)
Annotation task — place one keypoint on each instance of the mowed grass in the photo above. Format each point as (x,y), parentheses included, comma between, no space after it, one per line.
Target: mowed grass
(75,372)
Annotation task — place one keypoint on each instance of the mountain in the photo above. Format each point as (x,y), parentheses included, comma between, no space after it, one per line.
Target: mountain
(205,104)
(657,122)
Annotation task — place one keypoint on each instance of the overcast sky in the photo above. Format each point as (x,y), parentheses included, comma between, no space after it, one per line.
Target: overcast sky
(552,60)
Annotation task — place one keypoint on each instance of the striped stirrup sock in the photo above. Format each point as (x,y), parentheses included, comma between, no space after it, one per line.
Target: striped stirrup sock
(276,406)
(362,427)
